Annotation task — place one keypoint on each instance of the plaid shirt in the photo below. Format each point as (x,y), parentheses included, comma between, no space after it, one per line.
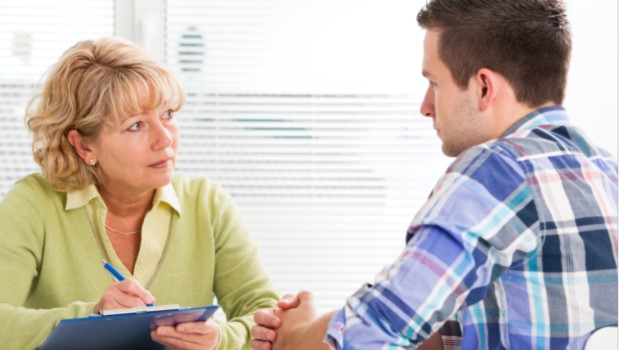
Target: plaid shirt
(515,248)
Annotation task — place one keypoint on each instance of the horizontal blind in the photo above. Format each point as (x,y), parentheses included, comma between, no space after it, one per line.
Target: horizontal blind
(33,35)
(307,113)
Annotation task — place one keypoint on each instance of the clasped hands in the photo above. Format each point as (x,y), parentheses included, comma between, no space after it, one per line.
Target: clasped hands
(287,327)
(187,336)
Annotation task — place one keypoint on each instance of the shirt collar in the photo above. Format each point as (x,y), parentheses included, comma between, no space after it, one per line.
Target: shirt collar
(167,194)
(79,198)
(555,115)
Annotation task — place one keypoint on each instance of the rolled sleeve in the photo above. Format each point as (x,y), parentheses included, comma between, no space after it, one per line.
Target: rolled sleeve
(335,331)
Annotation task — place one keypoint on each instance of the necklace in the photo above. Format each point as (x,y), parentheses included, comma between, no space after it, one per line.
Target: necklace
(130,233)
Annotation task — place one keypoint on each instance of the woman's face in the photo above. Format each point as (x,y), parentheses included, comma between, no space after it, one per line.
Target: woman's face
(139,154)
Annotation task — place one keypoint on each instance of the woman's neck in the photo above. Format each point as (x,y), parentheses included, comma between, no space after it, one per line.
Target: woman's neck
(124,205)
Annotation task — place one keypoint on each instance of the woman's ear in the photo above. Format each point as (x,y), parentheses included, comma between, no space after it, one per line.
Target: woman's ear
(488,85)
(81,147)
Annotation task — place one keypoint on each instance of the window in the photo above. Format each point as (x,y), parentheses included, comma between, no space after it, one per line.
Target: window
(311,125)
(305,111)
(33,34)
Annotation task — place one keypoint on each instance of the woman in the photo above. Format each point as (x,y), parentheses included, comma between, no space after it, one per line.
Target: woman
(106,139)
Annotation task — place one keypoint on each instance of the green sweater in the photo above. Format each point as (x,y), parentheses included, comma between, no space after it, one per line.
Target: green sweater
(50,262)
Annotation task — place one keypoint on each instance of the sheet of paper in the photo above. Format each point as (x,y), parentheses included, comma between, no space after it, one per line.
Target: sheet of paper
(133,310)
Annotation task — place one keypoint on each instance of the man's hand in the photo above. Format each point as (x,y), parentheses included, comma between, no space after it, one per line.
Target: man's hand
(291,327)
(296,316)
(267,321)
(263,333)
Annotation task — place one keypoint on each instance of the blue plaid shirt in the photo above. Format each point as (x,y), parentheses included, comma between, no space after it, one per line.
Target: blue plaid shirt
(515,248)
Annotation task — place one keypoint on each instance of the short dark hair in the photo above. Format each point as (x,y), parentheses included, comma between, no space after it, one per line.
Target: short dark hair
(526,41)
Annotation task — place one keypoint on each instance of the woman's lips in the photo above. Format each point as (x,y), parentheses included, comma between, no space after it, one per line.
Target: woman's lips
(161,164)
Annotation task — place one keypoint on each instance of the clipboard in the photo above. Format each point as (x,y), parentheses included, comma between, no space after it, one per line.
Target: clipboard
(121,329)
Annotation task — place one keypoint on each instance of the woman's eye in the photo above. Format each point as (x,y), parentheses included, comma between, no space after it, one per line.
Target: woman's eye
(135,126)
(169,114)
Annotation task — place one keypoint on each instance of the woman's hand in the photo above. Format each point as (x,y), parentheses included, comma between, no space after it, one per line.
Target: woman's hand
(188,336)
(125,294)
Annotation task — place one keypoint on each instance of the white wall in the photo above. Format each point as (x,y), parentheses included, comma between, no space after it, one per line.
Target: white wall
(592,91)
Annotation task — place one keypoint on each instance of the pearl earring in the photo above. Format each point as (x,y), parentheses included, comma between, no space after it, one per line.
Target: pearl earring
(92,162)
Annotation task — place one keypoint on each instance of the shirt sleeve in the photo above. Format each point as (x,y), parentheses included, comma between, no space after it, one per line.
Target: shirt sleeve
(476,223)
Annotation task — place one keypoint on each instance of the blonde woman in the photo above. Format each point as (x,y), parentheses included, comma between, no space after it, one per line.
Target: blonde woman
(106,137)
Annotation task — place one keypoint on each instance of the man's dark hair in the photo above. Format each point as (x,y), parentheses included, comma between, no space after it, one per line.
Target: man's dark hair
(526,41)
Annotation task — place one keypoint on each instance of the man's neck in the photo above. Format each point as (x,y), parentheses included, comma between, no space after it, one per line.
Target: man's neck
(509,115)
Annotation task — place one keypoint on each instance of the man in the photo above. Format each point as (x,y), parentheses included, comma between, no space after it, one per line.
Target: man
(516,246)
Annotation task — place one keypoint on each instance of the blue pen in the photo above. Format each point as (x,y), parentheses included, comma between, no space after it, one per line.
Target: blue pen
(115,273)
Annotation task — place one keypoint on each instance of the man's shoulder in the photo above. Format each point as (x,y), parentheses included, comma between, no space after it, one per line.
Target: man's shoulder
(551,140)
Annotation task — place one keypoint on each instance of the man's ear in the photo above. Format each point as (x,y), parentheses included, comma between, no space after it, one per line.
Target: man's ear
(487,85)
(81,147)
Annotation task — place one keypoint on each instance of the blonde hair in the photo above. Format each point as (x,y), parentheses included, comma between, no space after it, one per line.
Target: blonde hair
(94,82)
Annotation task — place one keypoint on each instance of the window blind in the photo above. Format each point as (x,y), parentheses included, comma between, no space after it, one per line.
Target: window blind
(33,35)
(307,113)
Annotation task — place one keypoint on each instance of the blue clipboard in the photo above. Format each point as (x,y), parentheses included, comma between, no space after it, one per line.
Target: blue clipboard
(120,331)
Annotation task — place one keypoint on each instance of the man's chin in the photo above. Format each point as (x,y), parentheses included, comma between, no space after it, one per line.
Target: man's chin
(448,151)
